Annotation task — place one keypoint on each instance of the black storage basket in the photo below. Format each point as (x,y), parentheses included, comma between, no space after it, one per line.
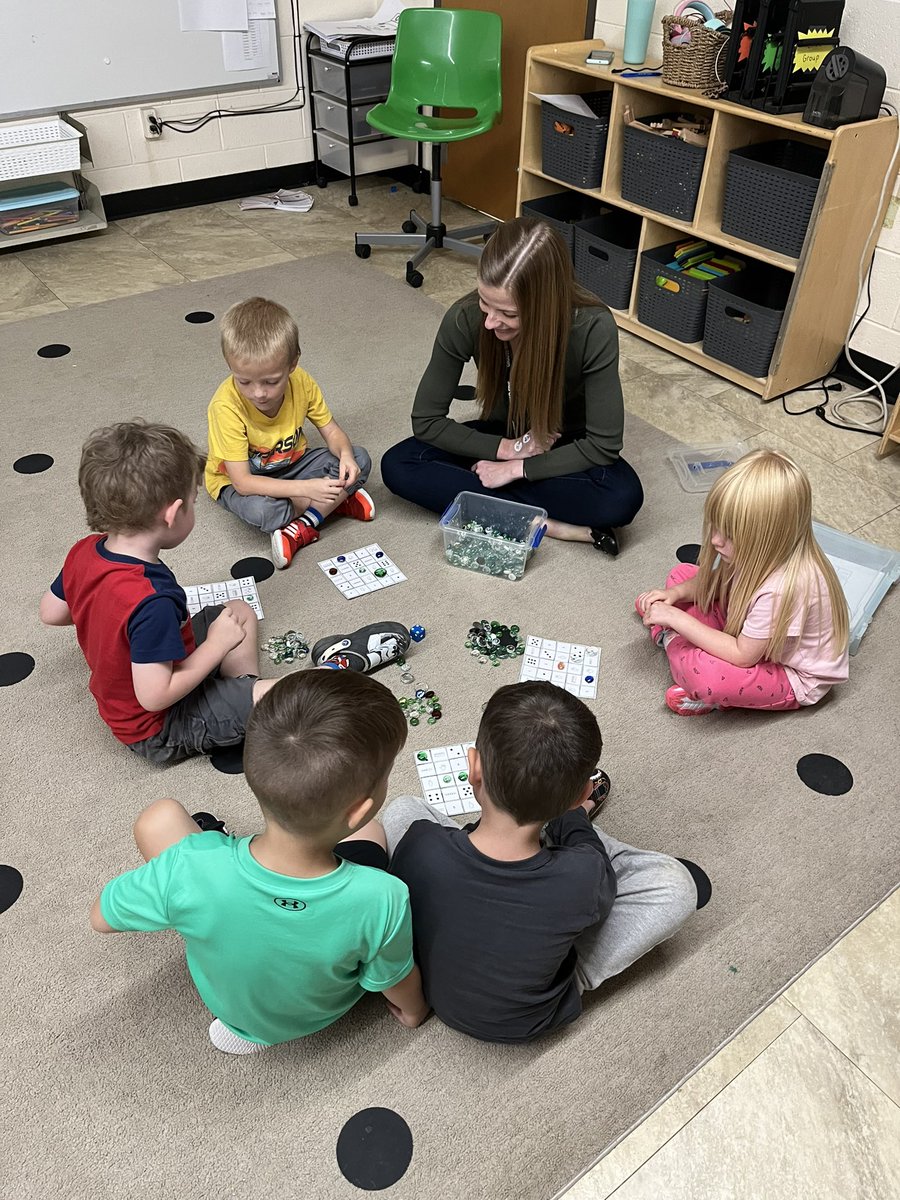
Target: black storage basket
(770,190)
(679,314)
(662,173)
(574,146)
(743,316)
(562,210)
(606,255)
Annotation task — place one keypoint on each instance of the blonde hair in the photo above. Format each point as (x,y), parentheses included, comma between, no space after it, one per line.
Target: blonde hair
(257,330)
(763,506)
(528,259)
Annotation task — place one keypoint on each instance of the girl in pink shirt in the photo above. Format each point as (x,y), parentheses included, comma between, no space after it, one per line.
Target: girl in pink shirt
(761,621)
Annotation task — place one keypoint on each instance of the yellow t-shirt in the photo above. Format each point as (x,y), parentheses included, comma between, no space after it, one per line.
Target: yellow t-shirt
(240,432)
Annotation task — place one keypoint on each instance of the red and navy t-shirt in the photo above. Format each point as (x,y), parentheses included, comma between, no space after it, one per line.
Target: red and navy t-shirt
(125,611)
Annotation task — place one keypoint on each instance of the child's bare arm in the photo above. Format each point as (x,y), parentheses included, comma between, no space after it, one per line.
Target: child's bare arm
(740,651)
(158,686)
(99,924)
(679,593)
(406,1000)
(245,483)
(53,611)
(339,445)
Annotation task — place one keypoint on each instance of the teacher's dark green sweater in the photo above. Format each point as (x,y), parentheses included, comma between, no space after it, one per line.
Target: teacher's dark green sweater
(593,413)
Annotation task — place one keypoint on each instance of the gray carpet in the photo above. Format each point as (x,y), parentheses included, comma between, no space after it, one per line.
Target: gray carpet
(111,1085)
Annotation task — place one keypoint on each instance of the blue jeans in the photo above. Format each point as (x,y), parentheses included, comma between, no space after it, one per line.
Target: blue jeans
(432,478)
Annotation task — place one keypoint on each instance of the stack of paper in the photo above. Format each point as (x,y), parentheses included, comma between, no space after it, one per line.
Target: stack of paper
(284,198)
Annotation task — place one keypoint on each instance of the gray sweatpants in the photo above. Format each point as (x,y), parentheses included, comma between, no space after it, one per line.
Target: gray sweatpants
(269,513)
(655,897)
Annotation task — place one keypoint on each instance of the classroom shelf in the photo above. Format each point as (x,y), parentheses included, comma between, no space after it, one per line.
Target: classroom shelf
(822,300)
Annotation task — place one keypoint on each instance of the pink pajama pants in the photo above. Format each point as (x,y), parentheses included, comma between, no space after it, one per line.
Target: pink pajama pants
(710,679)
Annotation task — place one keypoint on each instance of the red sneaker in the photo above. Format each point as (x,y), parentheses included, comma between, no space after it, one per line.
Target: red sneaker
(360,506)
(287,541)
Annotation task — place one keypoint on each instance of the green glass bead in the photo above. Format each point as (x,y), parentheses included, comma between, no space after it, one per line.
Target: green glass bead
(462,776)
(422,756)
(513,629)
(413,720)
(380,572)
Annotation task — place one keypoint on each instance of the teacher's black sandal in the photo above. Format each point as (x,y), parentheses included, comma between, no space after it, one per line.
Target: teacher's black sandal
(604,538)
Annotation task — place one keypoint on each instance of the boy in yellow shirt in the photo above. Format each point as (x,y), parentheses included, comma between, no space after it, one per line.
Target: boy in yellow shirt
(260,466)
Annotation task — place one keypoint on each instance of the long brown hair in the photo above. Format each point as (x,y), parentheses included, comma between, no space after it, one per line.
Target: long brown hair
(763,506)
(528,259)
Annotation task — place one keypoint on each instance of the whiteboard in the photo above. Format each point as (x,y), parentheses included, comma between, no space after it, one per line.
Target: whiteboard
(73,54)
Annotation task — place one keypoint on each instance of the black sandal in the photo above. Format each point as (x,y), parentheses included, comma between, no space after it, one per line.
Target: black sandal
(604,538)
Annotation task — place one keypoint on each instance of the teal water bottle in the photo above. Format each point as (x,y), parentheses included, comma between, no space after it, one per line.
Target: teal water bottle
(638,20)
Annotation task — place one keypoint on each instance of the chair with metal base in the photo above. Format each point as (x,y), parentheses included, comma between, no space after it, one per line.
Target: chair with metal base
(443,59)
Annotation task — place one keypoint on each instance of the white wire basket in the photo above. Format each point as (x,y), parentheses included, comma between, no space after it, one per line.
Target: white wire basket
(37,148)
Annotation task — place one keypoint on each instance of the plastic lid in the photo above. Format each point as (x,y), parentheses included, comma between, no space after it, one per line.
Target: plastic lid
(40,193)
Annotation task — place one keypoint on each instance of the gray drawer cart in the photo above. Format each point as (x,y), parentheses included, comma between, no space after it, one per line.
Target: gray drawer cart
(344,89)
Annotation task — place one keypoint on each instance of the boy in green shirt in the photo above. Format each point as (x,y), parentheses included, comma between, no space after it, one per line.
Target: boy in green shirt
(285,930)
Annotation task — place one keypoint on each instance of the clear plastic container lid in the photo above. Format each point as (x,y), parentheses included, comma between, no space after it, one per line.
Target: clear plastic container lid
(698,467)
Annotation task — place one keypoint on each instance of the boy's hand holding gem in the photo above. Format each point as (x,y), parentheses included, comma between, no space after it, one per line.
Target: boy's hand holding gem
(320,491)
(498,474)
(348,470)
(226,632)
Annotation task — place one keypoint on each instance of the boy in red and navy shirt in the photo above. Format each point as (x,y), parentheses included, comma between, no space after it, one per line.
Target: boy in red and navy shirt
(167,685)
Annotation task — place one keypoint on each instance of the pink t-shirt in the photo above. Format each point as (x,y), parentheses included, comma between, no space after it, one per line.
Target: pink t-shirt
(810,660)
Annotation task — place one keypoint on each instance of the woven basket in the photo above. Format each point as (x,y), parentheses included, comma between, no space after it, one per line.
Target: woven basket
(700,63)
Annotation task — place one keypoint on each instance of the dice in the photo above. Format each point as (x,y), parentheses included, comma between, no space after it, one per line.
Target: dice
(417,632)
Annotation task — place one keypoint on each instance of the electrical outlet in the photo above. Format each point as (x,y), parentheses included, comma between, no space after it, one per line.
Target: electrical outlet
(151,124)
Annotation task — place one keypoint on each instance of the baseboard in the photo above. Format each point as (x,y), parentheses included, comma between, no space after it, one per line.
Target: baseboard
(227,187)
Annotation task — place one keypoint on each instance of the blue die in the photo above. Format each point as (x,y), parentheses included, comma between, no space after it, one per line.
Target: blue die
(417,632)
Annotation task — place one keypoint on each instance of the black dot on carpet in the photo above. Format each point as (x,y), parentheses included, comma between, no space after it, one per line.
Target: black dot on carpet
(259,568)
(33,464)
(200,317)
(11,885)
(825,774)
(229,760)
(374,1149)
(688,553)
(54,350)
(14,668)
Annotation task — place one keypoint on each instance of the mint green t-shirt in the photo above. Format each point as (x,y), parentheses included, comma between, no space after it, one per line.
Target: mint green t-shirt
(273,957)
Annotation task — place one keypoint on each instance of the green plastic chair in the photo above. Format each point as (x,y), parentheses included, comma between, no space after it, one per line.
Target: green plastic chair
(448,59)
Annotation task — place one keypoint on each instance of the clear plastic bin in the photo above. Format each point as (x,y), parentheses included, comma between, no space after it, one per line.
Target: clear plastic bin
(503,536)
(41,206)
(866,573)
(698,467)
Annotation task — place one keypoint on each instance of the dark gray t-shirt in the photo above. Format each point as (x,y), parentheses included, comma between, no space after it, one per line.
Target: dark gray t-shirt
(495,940)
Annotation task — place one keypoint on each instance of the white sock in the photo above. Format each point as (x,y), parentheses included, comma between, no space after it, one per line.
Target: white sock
(667,636)
(229,1043)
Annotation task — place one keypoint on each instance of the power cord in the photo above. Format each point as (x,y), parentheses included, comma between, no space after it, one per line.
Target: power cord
(193,124)
(862,396)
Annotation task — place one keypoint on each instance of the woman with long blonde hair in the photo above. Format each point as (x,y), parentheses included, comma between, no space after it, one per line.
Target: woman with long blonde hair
(761,621)
(551,417)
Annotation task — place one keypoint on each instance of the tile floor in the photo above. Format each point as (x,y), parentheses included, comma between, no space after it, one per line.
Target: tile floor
(805,1101)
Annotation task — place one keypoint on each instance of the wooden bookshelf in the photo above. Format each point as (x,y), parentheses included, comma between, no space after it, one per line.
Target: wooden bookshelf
(820,306)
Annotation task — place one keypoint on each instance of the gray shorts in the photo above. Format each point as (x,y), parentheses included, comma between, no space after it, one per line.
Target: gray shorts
(212,716)
(269,513)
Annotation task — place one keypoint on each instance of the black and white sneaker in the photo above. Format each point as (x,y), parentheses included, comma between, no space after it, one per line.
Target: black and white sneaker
(208,823)
(367,650)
